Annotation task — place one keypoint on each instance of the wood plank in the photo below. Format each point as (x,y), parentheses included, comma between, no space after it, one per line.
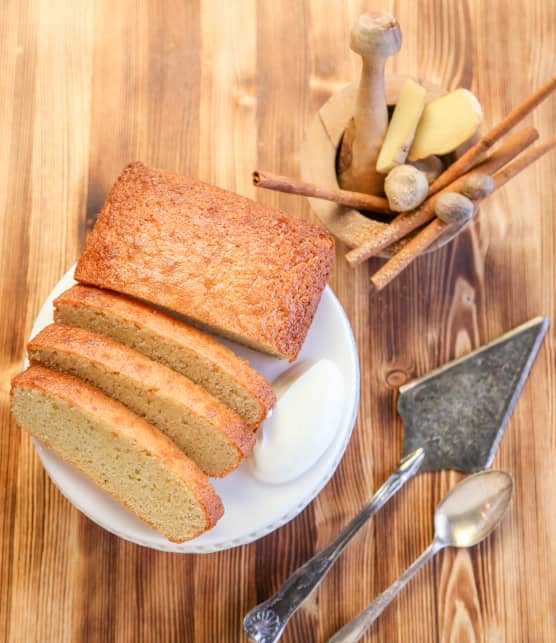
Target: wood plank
(58,200)
(18,52)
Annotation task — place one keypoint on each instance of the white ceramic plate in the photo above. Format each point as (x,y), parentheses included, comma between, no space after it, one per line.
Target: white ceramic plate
(252,508)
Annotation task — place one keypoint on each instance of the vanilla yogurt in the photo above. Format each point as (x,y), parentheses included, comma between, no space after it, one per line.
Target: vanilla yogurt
(302,424)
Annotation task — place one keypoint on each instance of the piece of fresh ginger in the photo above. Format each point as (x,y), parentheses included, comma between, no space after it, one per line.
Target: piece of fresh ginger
(401,129)
(446,123)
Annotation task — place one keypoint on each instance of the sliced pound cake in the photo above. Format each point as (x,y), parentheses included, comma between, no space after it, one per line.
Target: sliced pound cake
(116,449)
(179,346)
(241,269)
(210,433)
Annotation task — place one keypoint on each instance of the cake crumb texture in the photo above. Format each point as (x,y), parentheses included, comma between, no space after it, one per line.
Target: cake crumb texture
(206,430)
(116,449)
(177,345)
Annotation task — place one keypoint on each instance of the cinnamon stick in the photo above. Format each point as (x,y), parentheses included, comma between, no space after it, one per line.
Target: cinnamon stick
(407,222)
(413,249)
(474,153)
(428,235)
(524,160)
(295,186)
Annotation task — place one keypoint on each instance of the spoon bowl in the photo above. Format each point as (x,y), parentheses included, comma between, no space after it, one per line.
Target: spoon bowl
(473,508)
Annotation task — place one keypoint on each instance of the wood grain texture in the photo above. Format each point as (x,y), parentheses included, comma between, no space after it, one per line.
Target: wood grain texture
(215,89)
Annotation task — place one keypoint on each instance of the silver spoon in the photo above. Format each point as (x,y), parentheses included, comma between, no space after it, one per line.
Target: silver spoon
(465,516)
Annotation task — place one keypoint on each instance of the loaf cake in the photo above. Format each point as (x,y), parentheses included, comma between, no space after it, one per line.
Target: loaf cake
(245,271)
(207,431)
(165,339)
(116,449)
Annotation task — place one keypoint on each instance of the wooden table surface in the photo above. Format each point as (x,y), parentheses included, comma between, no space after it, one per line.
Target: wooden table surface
(215,89)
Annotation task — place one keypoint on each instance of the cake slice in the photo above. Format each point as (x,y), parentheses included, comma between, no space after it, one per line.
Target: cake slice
(211,434)
(175,344)
(116,449)
(243,270)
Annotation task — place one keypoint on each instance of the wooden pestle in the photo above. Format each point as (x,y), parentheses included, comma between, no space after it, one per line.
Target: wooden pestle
(375,37)
(436,228)
(407,222)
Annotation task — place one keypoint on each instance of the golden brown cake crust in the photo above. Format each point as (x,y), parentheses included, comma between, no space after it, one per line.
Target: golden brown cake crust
(132,427)
(121,359)
(145,316)
(225,261)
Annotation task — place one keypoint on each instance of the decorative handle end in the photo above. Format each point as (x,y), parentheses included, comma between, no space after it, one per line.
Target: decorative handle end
(263,625)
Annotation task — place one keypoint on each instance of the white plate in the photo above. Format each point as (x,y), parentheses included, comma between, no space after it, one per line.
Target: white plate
(252,508)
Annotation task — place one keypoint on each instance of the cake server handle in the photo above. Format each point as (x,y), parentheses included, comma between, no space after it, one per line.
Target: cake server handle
(266,621)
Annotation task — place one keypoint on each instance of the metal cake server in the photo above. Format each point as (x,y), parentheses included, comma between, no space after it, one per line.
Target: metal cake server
(454,418)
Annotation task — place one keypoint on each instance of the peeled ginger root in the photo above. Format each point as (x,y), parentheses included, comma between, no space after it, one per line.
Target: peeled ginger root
(445,124)
(401,129)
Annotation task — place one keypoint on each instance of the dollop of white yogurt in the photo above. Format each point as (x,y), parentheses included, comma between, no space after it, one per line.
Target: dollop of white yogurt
(303,422)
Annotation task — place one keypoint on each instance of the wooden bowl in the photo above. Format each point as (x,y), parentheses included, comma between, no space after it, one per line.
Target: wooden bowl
(318,164)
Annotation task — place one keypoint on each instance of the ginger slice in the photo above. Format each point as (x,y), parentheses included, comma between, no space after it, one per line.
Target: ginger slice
(401,129)
(446,123)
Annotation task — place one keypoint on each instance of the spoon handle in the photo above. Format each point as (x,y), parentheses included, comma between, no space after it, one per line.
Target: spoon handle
(354,630)
(266,621)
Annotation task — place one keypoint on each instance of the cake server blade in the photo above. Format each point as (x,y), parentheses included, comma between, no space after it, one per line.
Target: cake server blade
(459,412)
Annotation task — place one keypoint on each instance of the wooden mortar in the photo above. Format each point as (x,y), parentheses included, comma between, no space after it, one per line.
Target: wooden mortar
(318,163)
